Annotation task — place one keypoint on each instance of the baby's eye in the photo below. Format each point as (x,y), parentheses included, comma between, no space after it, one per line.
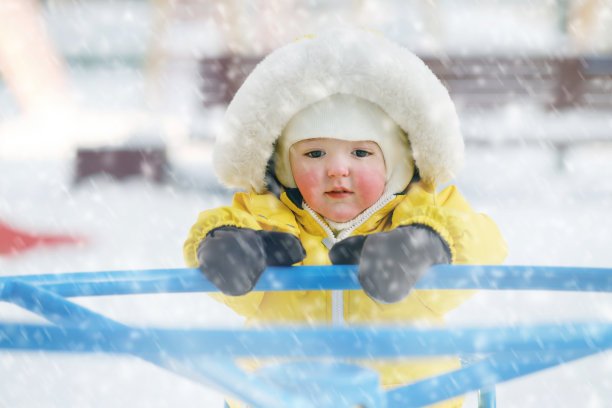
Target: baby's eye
(315,154)
(361,153)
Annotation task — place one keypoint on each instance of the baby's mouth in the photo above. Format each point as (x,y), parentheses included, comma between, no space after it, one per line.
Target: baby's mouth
(338,193)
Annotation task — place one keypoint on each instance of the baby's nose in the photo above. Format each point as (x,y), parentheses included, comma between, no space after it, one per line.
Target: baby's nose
(337,167)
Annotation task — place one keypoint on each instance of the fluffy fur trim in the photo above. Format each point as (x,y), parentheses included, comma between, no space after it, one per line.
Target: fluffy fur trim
(347,61)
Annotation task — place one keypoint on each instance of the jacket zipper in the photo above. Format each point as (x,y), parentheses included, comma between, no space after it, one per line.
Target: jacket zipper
(337,299)
(337,296)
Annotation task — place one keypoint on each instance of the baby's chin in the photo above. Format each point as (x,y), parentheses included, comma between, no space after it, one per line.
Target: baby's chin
(341,211)
(341,216)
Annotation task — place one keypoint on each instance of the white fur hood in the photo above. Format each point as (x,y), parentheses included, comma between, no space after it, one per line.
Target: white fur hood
(356,62)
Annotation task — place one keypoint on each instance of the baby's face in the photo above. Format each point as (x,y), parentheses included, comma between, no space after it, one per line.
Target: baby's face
(337,178)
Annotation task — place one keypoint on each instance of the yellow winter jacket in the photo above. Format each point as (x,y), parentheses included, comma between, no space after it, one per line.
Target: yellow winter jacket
(472,238)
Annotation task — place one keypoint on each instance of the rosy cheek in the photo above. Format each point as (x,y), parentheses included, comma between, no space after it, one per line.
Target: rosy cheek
(306,179)
(371,184)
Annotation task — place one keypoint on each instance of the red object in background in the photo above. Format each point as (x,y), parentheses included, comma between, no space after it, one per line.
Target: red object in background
(13,241)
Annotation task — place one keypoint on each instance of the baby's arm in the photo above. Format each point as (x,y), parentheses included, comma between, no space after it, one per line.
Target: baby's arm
(230,247)
(428,230)
(473,238)
(391,262)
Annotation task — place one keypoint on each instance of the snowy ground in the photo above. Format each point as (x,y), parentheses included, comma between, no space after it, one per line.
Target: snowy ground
(547,216)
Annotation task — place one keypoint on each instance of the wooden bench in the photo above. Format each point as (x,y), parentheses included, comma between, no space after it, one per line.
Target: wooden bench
(554,102)
(559,83)
(222,76)
(121,163)
(544,100)
(482,82)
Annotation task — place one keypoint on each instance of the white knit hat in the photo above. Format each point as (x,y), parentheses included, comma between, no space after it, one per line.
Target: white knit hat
(343,61)
(350,118)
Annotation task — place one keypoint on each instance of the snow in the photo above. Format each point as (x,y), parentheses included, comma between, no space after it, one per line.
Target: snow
(552,209)
(547,215)
(127,225)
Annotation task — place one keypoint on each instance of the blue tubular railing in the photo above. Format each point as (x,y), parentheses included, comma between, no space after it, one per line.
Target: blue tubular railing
(337,277)
(202,355)
(221,373)
(487,398)
(482,374)
(311,342)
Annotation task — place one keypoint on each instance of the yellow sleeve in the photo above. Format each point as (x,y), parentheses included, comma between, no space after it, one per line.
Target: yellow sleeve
(473,238)
(239,214)
(211,219)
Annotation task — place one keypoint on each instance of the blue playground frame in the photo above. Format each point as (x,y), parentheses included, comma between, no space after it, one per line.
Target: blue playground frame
(323,378)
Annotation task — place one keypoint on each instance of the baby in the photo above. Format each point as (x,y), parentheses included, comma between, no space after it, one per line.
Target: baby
(340,141)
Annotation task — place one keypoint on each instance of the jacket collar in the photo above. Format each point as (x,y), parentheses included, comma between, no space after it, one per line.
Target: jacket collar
(293,199)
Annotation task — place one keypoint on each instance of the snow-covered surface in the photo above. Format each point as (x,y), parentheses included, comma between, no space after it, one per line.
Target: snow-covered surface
(532,124)
(552,209)
(547,215)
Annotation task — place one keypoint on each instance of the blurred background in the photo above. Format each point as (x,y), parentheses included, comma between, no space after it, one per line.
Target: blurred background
(108,111)
(89,73)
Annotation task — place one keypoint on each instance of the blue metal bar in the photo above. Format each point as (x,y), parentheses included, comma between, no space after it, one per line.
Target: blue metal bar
(330,277)
(34,297)
(487,398)
(220,373)
(52,307)
(480,375)
(310,342)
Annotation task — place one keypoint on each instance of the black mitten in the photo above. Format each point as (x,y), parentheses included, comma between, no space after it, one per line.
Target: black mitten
(233,259)
(391,263)
(347,251)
